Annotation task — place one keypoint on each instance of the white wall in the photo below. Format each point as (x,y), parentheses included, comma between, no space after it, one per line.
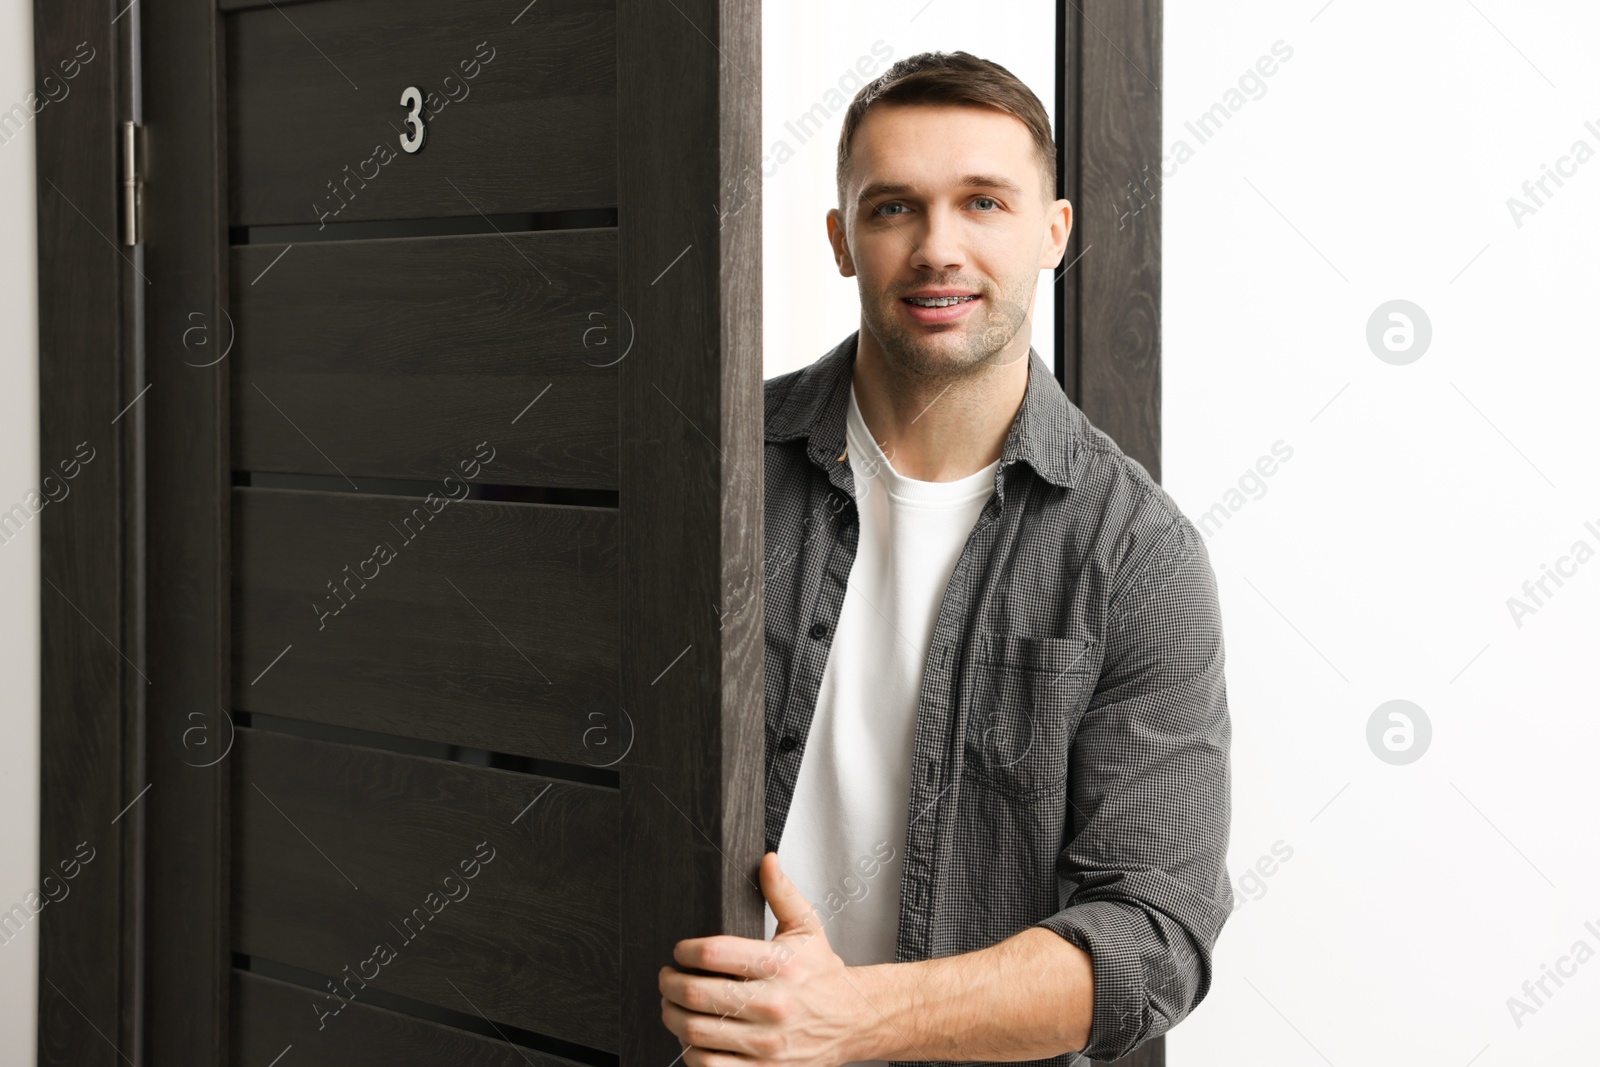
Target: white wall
(19,557)
(809,56)
(1376,563)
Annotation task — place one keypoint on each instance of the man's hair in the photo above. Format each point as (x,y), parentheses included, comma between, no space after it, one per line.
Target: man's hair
(952,78)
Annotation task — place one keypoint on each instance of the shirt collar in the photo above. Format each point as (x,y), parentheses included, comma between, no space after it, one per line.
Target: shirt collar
(1044,435)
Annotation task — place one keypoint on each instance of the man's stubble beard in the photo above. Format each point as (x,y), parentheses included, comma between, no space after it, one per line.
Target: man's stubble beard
(986,333)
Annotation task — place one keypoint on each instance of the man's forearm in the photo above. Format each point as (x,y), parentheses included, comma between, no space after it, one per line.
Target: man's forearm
(1029,997)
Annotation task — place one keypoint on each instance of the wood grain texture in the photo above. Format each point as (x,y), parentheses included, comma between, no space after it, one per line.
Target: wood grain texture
(394,357)
(534,129)
(492,625)
(85,593)
(690,483)
(269,1016)
(489,888)
(1116,69)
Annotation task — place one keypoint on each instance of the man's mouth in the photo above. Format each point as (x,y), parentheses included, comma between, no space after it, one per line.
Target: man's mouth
(936,301)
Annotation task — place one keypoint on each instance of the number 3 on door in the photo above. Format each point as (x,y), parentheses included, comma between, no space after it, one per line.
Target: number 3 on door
(411,141)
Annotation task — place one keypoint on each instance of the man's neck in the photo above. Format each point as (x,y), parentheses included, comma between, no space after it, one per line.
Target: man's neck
(945,428)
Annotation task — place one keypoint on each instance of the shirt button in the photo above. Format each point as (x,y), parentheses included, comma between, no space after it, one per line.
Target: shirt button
(819,630)
(788,743)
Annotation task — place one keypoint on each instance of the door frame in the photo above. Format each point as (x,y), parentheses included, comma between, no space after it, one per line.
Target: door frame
(92,695)
(112,658)
(1108,141)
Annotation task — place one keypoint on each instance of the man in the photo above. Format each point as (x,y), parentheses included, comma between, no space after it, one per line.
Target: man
(997,728)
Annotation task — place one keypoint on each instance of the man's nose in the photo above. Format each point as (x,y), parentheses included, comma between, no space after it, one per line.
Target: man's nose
(938,244)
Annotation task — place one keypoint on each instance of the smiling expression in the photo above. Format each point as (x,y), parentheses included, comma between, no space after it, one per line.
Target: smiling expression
(946,226)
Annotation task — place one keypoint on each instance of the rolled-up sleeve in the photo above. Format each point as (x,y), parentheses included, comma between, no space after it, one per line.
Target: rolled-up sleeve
(1142,874)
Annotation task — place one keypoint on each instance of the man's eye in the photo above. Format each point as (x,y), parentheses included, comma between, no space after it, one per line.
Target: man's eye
(884,209)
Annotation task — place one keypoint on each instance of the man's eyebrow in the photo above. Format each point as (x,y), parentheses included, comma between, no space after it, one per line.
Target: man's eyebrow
(967,181)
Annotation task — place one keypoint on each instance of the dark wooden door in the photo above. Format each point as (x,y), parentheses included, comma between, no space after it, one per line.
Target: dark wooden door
(444,475)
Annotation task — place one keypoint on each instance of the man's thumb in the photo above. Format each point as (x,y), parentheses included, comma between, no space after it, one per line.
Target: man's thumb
(789,906)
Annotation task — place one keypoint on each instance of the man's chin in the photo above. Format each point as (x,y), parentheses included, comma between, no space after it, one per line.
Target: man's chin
(941,354)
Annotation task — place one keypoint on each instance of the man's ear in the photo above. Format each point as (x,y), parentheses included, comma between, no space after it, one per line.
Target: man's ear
(1060,232)
(841,248)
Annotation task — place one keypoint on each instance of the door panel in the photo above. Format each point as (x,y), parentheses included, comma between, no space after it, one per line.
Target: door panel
(422,858)
(270,1015)
(397,356)
(486,624)
(523,115)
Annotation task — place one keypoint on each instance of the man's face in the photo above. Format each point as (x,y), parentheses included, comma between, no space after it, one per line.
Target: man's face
(946,200)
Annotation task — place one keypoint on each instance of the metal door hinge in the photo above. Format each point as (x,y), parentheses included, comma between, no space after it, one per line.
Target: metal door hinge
(132,177)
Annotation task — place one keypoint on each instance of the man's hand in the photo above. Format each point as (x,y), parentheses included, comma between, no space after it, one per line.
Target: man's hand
(790,1000)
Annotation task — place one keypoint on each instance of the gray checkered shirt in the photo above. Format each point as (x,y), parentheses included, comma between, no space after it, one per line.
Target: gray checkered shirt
(1071,751)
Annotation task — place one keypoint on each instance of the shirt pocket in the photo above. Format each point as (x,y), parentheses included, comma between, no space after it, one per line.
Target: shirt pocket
(1024,697)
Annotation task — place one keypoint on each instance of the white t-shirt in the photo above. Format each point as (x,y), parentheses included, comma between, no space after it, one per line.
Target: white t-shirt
(844,839)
